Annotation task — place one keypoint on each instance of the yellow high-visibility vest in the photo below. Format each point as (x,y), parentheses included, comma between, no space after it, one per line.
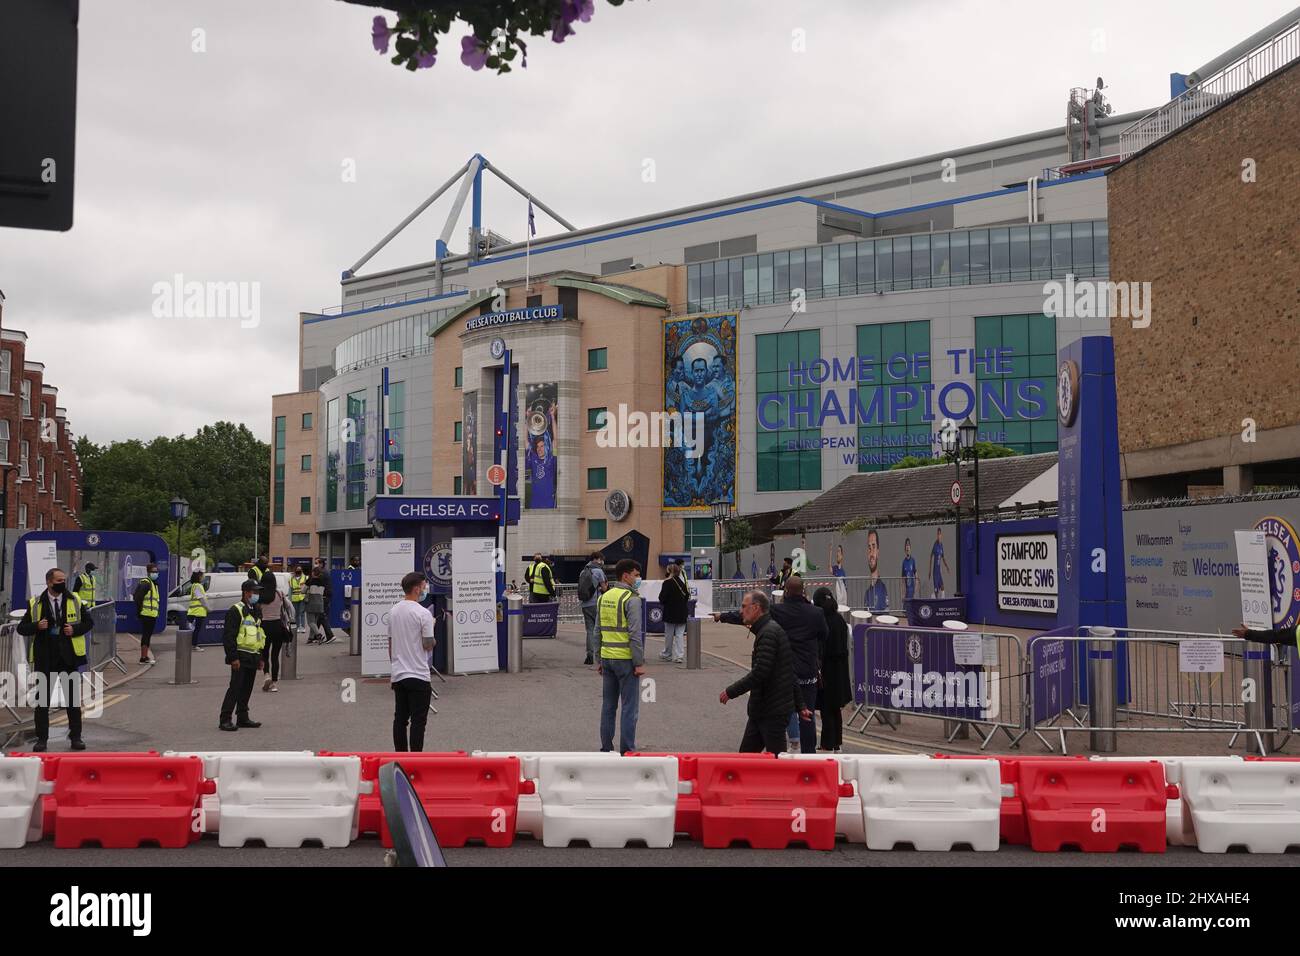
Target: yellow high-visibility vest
(257,572)
(150,606)
(535,579)
(251,637)
(73,617)
(196,600)
(611,613)
(297,590)
(86,587)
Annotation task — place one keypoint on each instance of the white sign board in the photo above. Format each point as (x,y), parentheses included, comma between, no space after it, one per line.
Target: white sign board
(702,594)
(967,649)
(1203,656)
(1027,573)
(41,556)
(385,561)
(1252,561)
(474,605)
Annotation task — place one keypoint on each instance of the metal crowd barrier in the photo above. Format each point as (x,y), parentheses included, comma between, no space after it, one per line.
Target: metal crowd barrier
(101,642)
(570,611)
(12,647)
(1156,695)
(990,697)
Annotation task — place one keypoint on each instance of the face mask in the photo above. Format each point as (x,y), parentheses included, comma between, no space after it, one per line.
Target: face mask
(636,585)
(57,588)
(252,599)
(153,576)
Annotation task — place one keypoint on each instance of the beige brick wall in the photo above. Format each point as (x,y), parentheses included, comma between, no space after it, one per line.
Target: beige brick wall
(1223,257)
(297,483)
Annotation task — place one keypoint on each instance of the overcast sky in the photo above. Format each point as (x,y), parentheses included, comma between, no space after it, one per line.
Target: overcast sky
(227,165)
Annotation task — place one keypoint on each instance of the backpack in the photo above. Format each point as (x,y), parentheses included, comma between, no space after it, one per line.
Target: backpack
(586,585)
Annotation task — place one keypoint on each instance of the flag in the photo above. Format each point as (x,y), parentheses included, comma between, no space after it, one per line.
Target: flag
(532,227)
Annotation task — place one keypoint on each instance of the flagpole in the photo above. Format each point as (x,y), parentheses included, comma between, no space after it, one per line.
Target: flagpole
(528,247)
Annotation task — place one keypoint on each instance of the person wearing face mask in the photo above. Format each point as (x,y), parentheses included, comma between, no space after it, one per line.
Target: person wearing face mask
(146,608)
(57,623)
(244,639)
(622,655)
(410,639)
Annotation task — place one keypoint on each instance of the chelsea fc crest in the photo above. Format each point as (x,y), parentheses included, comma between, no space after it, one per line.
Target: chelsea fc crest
(914,649)
(925,612)
(1283,570)
(437,563)
(1067,392)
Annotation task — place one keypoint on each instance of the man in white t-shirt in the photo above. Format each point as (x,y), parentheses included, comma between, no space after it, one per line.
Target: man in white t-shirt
(410,639)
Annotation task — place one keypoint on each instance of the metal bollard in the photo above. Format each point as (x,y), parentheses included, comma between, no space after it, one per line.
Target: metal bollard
(1259,709)
(514,633)
(1102,702)
(184,653)
(693,644)
(450,615)
(353,595)
(289,655)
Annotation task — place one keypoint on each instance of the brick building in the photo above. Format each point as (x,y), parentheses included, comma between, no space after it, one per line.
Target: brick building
(1210,216)
(37,449)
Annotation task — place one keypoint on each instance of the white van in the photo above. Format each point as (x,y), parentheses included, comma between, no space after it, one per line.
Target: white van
(223,589)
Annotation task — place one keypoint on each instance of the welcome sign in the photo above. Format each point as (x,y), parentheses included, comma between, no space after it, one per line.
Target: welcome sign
(1027,573)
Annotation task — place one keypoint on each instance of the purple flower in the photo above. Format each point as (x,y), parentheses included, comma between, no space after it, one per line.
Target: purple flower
(426,59)
(560,29)
(472,53)
(570,10)
(379,34)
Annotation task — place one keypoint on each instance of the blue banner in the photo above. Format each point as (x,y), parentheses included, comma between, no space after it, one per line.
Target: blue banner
(932,612)
(700,402)
(1051,664)
(910,670)
(541,620)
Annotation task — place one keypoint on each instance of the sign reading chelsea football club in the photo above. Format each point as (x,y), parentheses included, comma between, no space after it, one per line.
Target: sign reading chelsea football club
(533,313)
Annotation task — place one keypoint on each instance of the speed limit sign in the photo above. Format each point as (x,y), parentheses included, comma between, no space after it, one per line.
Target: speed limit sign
(956,492)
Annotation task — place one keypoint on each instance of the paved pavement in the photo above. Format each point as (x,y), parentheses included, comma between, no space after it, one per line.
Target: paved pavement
(553,705)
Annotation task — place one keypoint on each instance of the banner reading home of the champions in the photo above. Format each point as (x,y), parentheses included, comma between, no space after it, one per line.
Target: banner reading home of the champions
(700,386)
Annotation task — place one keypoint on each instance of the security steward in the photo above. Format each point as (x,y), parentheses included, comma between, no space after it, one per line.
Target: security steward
(541,583)
(257,570)
(622,656)
(57,624)
(244,638)
(85,588)
(145,597)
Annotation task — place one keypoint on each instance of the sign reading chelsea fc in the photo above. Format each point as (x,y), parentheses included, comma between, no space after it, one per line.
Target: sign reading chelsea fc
(535,313)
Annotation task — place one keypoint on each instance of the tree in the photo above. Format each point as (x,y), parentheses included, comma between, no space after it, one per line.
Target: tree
(983,449)
(495,28)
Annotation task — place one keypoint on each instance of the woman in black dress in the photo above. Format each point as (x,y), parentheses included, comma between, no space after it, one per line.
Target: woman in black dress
(836,689)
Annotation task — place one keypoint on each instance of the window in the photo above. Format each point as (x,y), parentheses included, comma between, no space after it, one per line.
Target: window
(596,529)
(460,376)
(332,456)
(40,521)
(306,421)
(24,450)
(27,398)
(305,464)
(788,457)
(4,441)
(1006,397)
(22,515)
(596,418)
(596,479)
(40,472)
(278,512)
(456,431)
(6,368)
(54,484)
(597,360)
(304,505)
(299,541)
(356,451)
(893,436)
(456,485)
(532,301)
(396,455)
(698,533)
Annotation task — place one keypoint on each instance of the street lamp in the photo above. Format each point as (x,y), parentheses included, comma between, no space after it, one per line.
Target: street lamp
(180,509)
(723,511)
(968,435)
(950,440)
(4,520)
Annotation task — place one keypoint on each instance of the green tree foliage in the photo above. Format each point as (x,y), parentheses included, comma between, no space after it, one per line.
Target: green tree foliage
(983,449)
(128,485)
(738,535)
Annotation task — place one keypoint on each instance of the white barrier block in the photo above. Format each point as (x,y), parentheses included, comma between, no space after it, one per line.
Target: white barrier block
(21,789)
(932,804)
(1178,821)
(211,806)
(848,814)
(528,759)
(607,800)
(285,799)
(1255,803)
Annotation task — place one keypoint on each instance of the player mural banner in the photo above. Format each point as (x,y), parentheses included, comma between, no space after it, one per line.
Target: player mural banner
(541,467)
(468,453)
(700,402)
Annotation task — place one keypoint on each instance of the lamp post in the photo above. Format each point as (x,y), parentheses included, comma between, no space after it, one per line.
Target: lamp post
(968,435)
(257,521)
(180,509)
(214,529)
(4,521)
(723,511)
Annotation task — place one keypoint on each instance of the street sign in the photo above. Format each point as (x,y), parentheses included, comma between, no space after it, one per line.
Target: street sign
(956,492)
(393,479)
(496,475)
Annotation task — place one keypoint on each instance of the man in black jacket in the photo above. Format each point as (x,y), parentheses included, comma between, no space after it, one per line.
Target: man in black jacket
(805,627)
(57,622)
(1282,636)
(770,682)
(243,639)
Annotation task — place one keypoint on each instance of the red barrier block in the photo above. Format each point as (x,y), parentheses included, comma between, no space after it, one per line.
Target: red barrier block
(464,797)
(768,803)
(688,804)
(1013,826)
(370,814)
(1065,802)
(122,802)
(50,769)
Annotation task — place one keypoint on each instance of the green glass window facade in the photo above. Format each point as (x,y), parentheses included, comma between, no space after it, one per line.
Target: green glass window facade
(1032,341)
(697,533)
(306,421)
(788,459)
(597,360)
(356,452)
(456,431)
(456,485)
(460,376)
(881,445)
(396,434)
(304,505)
(596,529)
(278,516)
(596,418)
(596,479)
(332,456)
(305,463)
